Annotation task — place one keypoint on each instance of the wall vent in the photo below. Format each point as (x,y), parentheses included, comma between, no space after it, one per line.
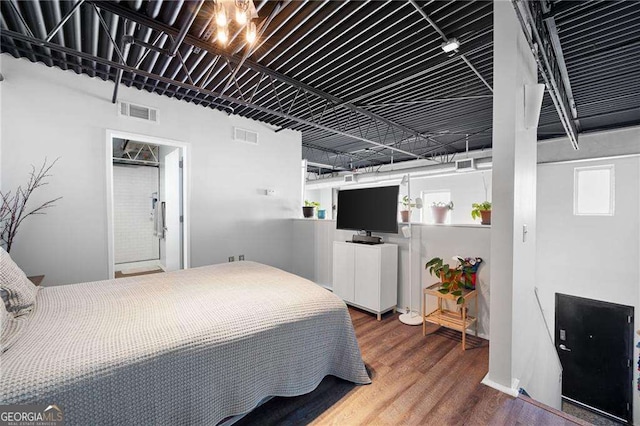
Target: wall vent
(138,112)
(350,178)
(244,135)
(465,165)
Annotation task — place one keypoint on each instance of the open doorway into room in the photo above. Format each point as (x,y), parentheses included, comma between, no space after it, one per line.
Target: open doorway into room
(147,204)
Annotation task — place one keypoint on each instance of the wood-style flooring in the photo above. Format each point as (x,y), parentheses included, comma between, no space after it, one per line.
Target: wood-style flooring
(416,381)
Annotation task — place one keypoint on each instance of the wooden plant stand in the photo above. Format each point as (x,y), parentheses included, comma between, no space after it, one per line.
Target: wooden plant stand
(454,320)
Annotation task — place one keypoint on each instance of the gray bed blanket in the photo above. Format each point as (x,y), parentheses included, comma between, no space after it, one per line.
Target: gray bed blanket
(186,347)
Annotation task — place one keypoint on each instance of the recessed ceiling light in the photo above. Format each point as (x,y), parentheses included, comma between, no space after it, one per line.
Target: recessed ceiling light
(450,45)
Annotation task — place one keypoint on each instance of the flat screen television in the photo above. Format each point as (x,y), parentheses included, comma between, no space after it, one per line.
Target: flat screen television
(369,209)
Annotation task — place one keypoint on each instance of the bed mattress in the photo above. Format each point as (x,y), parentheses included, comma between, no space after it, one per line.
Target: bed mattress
(186,347)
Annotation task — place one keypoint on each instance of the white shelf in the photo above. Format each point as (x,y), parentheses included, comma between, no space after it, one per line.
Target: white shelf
(451,225)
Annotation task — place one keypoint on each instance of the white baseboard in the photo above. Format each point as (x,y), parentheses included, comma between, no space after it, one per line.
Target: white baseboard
(513,390)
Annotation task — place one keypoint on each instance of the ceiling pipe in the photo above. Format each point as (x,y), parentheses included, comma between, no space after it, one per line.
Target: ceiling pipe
(416,172)
(185,29)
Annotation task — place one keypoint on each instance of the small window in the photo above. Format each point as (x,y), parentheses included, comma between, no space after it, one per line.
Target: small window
(428,198)
(593,191)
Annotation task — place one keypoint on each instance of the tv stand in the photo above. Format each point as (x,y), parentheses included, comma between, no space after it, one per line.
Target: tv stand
(366,276)
(366,239)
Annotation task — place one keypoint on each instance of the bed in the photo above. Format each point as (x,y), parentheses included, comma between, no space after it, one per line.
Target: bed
(187,347)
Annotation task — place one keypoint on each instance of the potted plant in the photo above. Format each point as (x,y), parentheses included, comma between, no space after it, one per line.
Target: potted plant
(307,210)
(440,210)
(405,213)
(483,211)
(452,278)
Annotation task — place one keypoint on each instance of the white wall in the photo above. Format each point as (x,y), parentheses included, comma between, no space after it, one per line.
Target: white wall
(596,257)
(313,257)
(133,214)
(465,189)
(50,112)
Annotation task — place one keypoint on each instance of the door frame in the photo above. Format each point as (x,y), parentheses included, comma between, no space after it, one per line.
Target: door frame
(186,188)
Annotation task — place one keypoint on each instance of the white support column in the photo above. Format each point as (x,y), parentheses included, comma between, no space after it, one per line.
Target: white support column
(513,196)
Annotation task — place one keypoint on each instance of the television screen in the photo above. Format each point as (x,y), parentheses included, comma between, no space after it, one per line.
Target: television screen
(369,209)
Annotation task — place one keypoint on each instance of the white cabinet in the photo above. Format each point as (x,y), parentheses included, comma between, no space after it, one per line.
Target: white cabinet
(366,276)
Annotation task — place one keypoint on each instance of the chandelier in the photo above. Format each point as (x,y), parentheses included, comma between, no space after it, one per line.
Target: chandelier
(239,13)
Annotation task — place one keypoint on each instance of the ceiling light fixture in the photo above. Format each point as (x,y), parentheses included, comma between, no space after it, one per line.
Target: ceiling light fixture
(450,45)
(221,15)
(223,35)
(251,32)
(242,6)
(235,12)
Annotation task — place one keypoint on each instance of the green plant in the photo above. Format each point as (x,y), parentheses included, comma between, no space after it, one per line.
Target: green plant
(450,277)
(448,205)
(311,204)
(479,207)
(407,202)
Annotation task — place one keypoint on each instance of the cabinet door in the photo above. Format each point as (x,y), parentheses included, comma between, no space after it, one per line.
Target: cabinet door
(367,278)
(343,271)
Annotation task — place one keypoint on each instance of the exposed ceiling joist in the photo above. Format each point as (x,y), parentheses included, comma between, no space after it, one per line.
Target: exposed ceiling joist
(559,55)
(445,38)
(330,102)
(382,57)
(531,20)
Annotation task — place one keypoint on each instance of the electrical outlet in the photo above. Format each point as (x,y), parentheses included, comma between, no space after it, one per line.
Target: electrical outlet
(232,259)
(241,257)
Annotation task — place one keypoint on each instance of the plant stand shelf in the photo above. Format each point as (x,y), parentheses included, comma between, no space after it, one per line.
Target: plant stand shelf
(454,320)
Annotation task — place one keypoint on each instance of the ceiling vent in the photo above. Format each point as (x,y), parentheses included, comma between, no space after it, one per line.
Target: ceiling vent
(138,112)
(466,165)
(350,178)
(243,135)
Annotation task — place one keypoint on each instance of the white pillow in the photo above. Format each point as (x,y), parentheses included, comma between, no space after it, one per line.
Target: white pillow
(10,328)
(20,292)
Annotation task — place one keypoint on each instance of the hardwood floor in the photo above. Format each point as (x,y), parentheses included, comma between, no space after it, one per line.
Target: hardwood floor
(416,381)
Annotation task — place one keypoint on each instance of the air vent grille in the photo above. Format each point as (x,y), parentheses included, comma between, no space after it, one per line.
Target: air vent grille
(244,135)
(465,165)
(138,112)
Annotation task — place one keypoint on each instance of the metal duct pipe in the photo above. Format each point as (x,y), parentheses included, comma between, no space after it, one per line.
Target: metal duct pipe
(416,172)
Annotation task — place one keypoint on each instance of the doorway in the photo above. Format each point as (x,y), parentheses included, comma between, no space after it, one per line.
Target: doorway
(147,199)
(594,340)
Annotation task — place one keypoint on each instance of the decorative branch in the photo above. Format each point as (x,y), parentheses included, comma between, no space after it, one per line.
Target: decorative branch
(14,210)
